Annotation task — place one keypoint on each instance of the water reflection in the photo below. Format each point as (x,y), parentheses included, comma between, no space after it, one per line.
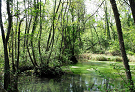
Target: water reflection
(67,83)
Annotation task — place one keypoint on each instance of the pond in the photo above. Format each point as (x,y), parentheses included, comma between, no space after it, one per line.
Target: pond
(76,82)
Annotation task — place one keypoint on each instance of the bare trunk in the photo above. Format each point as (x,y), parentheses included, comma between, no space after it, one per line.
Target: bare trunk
(132,5)
(40,32)
(6,69)
(5,41)
(121,43)
(27,43)
(13,63)
(33,31)
(107,31)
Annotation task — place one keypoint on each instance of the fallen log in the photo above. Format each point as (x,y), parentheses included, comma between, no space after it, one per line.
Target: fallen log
(25,68)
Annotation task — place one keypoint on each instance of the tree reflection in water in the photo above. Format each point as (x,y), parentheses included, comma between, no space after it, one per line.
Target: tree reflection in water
(67,83)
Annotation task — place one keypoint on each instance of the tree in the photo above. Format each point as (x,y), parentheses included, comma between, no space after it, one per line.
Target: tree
(107,30)
(132,5)
(5,43)
(121,44)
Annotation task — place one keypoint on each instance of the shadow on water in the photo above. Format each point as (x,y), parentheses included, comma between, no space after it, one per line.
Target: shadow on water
(67,83)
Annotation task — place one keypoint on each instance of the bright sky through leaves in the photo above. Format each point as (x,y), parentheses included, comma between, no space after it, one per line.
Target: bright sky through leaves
(91,7)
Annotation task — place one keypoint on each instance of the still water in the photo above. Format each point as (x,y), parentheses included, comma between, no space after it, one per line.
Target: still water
(68,83)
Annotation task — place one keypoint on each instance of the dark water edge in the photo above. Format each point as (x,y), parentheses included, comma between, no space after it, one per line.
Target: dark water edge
(68,83)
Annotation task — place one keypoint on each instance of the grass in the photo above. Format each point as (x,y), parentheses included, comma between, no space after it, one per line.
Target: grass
(108,70)
(103,57)
(90,67)
(106,66)
(110,66)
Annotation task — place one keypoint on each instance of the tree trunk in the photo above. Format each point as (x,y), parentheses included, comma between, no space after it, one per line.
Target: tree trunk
(107,31)
(13,63)
(6,68)
(40,32)
(27,42)
(132,5)
(121,43)
(36,6)
(5,41)
(18,55)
